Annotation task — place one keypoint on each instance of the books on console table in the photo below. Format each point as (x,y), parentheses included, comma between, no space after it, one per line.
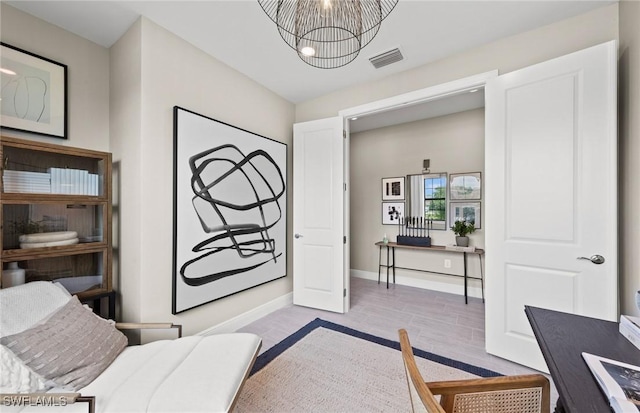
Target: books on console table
(630,328)
(620,382)
(461,249)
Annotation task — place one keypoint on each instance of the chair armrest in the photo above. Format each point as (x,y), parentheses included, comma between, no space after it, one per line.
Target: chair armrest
(153,326)
(448,389)
(46,399)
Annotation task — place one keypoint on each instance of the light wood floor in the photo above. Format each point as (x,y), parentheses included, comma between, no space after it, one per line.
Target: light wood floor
(437,322)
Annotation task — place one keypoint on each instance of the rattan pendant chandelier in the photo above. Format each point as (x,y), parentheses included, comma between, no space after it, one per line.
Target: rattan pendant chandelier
(327,33)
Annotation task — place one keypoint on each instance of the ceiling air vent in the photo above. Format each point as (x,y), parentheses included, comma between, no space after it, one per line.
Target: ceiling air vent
(386,58)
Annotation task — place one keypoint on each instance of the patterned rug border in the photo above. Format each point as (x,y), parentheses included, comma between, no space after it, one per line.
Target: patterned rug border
(269,355)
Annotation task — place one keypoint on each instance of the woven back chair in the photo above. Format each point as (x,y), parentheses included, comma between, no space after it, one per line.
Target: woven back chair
(521,394)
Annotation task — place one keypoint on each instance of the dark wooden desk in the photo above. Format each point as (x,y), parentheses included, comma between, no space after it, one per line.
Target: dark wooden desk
(562,338)
(391,246)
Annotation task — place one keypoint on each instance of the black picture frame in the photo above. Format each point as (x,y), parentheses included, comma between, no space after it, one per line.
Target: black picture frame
(230,210)
(393,188)
(34,93)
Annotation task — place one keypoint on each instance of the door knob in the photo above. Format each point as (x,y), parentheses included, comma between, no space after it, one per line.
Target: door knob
(297,236)
(596,259)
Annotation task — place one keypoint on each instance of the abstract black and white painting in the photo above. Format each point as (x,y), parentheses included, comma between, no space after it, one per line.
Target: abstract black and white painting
(230,199)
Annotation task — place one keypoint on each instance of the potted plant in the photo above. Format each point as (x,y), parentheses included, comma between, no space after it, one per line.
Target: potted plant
(461,229)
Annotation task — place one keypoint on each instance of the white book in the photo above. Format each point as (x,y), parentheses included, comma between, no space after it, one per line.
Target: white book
(56,176)
(23,174)
(631,321)
(72,181)
(65,182)
(77,182)
(26,179)
(84,178)
(620,382)
(28,185)
(94,184)
(53,179)
(630,334)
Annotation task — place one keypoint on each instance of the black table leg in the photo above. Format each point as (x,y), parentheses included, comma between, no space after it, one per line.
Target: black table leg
(481,277)
(379,262)
(464,254)
(97,306)
(559,407)
(387,266)
(112,305)
(393,253)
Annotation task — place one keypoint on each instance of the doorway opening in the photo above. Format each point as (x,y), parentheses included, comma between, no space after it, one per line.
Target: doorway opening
(391,139)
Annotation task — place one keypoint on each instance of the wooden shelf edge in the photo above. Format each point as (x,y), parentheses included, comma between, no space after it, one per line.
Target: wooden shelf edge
(52,252)
(16,198)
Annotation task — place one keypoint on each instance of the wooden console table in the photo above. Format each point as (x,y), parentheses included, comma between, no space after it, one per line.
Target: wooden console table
(391,248)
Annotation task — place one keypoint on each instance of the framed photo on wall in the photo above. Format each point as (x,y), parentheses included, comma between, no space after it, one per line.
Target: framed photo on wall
(393,189)
(34,93)
(465,186)
(466,211)
(392,212)
(230,210)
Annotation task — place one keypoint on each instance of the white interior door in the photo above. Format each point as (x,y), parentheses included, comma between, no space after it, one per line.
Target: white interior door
(551,179)
(318,214)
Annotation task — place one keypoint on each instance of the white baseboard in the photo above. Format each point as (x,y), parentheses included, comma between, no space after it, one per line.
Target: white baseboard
(452,288)
(250,316)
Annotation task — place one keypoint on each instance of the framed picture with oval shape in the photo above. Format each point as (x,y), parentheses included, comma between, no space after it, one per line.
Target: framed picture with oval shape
(34,93)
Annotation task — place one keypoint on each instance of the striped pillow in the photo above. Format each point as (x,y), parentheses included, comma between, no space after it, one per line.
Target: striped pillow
(71,348)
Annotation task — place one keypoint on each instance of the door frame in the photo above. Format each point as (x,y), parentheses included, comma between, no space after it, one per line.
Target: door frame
(395,102)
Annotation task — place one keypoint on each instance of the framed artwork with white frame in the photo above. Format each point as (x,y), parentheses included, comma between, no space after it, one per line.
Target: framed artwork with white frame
(466,211)
(465,186)
(393,189)
(392,212)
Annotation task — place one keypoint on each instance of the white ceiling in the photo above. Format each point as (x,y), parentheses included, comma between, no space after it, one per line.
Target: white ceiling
(241,35)
(459,102)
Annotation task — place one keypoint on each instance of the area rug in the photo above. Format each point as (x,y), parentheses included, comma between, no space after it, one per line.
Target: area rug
(326,367)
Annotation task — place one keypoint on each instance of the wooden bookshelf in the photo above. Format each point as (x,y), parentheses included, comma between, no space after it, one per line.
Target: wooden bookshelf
(85,267)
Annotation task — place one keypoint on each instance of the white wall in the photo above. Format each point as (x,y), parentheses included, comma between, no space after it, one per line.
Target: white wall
(454,143)
(126,147)
(173,72)
(629,69)
(506,55)
(88,76)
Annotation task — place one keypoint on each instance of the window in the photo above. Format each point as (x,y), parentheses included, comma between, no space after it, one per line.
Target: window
(435,197)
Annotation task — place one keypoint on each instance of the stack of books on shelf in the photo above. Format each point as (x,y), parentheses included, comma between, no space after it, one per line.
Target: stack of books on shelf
(74,182)
(630,328)
(26,182)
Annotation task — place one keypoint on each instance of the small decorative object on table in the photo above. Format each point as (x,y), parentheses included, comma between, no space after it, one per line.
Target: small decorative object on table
(414,231)
(461,229)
